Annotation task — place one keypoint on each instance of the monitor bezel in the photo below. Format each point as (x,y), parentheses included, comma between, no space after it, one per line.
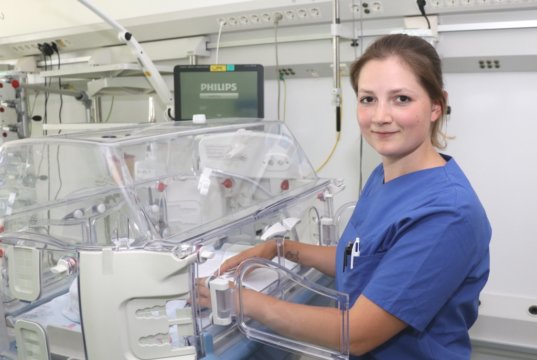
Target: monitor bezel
(180,69)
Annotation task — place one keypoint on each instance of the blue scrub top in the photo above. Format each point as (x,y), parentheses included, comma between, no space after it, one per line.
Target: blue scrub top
(423,257)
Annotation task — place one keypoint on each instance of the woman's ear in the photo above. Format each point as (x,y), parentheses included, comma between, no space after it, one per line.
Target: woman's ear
(437,111)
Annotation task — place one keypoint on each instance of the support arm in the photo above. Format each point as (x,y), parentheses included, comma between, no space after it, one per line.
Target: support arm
(149,68)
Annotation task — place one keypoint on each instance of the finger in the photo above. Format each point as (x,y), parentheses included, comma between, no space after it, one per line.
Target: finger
(201,281)
(203,292)
(203,296)
(228,265)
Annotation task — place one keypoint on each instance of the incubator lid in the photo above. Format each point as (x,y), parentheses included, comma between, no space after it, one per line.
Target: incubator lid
(137,185)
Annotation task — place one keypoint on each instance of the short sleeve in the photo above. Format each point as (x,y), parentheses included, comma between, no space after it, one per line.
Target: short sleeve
(431,256)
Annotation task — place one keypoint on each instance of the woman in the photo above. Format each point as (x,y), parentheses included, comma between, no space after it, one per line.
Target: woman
(414,256)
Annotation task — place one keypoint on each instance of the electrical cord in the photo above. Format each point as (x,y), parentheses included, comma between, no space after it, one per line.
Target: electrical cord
(57,51)
(110,110)
(60,185)
(47,50)
(421,6)
(338,136)
(284,98)
(32,107)
(222,23)
(45,115)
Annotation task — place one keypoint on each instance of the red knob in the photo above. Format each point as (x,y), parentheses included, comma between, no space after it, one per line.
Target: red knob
(228,183)
(161,186)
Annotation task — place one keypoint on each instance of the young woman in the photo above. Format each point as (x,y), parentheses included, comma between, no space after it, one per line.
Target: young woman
(414,256)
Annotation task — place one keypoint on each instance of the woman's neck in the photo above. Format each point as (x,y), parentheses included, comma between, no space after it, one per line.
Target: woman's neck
(394,168)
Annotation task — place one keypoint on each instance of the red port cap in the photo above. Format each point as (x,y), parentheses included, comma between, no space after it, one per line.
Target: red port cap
(161,186)
(228,183)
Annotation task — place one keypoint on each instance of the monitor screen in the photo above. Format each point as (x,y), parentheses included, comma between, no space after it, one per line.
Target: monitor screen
(218,91)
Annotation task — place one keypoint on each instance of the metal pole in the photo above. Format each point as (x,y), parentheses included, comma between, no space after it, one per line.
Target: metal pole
(336,91)
(96,110)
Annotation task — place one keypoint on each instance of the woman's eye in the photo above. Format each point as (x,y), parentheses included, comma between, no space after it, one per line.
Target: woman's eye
(366,99)
(403,99)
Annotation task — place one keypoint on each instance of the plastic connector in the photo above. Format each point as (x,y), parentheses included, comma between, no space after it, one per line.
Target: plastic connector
(222,301)
(280,228)
(205,181)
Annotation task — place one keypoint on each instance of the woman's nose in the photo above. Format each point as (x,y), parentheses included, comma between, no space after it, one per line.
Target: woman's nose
(382,114)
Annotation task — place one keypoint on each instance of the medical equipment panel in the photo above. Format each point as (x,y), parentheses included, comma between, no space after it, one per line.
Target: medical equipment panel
(219,91)
(102,234)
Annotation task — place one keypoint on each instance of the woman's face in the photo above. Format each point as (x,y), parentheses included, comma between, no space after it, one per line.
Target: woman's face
(395,112)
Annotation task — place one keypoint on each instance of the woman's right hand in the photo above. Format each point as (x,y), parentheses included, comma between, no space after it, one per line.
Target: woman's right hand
(265,250)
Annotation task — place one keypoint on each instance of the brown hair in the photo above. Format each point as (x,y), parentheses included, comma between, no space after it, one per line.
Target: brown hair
(424,62)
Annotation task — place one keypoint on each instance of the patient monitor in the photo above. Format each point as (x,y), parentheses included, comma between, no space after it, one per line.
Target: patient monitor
(219,91)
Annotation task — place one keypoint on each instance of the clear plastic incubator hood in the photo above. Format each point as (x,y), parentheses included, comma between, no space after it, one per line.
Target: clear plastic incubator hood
(103,233)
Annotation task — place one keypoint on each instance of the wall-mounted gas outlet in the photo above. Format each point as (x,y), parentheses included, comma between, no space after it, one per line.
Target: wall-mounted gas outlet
(32,48)
(285,72)
(366,7)
(288,16)
(489,64)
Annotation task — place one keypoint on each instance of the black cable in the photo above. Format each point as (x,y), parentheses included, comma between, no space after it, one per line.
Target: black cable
(45,116)
(45,50)
(421,6)
(56,50)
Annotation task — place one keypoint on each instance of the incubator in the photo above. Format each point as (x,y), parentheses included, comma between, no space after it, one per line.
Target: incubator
(103,233)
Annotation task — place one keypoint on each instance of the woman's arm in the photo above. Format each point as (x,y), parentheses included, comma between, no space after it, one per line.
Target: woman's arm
(370,326)
(323,258)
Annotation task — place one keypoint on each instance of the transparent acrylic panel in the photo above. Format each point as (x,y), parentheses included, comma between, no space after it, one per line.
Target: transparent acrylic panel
(289,286)
(150,197)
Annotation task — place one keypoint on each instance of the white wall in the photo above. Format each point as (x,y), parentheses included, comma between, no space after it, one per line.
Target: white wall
(495,125)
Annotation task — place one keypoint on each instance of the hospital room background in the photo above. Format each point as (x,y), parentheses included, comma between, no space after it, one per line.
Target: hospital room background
(489,54)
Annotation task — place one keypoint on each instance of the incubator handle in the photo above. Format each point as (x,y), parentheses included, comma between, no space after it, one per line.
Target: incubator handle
(291,287)
(280,228)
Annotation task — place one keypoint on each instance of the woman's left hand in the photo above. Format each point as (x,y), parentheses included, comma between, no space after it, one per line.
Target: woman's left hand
(203,292)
